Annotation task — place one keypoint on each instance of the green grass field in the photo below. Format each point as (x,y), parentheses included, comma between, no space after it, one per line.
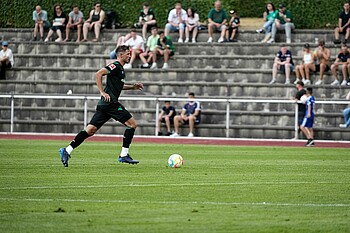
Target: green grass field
(219,189)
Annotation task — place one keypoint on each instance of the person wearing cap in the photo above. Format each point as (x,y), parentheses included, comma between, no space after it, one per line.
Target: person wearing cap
(6,59)
(300,69)
(41,22)
(233,26)
(176,21)
(283,21)
(343,24)
(217,19)
(284,63)
(342,60)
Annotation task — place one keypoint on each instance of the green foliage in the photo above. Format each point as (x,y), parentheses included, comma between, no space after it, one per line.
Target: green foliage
(307,14)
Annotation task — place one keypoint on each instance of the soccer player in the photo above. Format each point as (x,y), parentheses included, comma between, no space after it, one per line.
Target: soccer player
(308,121)
(109,107)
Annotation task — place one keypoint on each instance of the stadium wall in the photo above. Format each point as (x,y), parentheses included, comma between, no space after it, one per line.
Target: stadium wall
(307,14)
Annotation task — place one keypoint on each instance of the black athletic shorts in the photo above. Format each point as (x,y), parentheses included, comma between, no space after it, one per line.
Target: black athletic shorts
(318,68)
(105,112)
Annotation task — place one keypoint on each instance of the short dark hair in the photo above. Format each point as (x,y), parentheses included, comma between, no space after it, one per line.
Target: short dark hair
(154,27)
(309,90)
(133,30)
(145,4)
(74,6)
(191,93)
(161,32)
(300,83)
(121,49)
(167,101)
(97,3)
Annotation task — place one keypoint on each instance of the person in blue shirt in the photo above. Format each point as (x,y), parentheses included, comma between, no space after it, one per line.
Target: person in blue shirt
(191,115)
(308,121)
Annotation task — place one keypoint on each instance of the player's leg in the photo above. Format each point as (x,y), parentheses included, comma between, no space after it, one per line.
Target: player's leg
(67,32)
(191,120)
(274,72)
(177,120)
(287,68)
(79,26)
(167,122)
(127,139)
(86,30)
(97,28)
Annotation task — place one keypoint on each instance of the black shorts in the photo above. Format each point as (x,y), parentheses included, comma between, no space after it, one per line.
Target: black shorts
(318,68)
(105,112)
(171,119)
(230,29)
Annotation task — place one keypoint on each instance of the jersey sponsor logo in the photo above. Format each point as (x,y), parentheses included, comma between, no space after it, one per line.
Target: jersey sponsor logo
(112,66)
(122,80)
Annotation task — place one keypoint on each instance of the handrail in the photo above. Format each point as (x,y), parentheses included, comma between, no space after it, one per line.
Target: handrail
(157,100)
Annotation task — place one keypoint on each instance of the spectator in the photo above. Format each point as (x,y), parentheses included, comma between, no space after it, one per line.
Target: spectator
(343,24)
(322,56)
(164,48)
(308,121)
(233,26)
(301,106)
(151,46)
(75,22)
(192,24)
(283,21)
(95,21)
(190,114)
(283,62)
(269,17)
(6,59)
(147,20)
(41,22)
(137,47)
(217,19)
(300,69)
(346,113)
(176,21)
(343,61)
(59,23)
(166,116)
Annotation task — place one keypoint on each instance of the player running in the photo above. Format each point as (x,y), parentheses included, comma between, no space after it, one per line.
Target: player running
(109,107)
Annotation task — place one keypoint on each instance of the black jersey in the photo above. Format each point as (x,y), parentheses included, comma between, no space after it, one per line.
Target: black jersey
(298,95)
(115,82)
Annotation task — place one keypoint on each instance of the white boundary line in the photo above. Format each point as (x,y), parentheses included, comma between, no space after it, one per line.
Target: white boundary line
(179,202)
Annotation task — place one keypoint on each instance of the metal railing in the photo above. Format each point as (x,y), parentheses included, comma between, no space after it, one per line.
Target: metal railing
(157,100)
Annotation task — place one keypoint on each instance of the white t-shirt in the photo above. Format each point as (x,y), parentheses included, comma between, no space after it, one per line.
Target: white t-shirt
(307,58)
(194,20)
(134,44)
(173,18)
(8,53)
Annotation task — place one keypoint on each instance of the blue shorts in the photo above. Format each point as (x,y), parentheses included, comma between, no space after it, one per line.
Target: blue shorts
(308,122)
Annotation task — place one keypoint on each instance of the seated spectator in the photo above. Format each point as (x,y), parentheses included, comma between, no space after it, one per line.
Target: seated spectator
(75,22)
(343,24)
(322,56)
(151,46)
(166,116)
(269,17)
(164,48)
(346,113)
(95,21)
(284,63)
(300,69)
(176,21)
(137,47)
(191,115)
(147,20)
(192,24)
(233,27)
(217,19)
(283,21)
(59,23)
(6,59)
(121,41)
(342,60)
(41,22)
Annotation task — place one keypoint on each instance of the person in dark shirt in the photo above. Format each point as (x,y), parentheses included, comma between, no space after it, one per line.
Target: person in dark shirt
(283,62)
(109,107)
(233,27)
(147,20)
(166,116)
(301,106)
(94,22)
(343,61)
(59,23)
(343,24)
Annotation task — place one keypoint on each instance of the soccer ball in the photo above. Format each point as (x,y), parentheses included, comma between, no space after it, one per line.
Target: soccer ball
(303,99)
(175,161)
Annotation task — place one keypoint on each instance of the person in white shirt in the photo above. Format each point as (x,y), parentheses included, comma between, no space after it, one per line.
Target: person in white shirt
(6,59)
(191,25)
(137,46)
(176,21)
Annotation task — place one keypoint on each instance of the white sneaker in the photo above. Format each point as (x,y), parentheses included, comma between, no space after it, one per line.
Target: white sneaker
(272,81)
(175,135)
(210,40)
(288,41)
(297,80)
(260,30)
(165,66)
(335,83)
(127,66)
(187,40)
(344,83)
(307,82)
(271,41)
(220,40)
(58,40)
(319,82)
(342,126)
(193,40)
(146,65)
(180,40)
(287,81)
(46,40)
(154,66)
(190,135)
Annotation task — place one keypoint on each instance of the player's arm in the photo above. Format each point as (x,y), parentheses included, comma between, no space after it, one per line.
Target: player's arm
(308,110)
(195,114)
(183,114)
(135,86)
(99,74)
(170,113)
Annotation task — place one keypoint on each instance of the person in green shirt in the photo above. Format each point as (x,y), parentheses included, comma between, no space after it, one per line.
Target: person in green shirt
(151,46)
(283,21)
(269,16)
(164,48)
(217,19)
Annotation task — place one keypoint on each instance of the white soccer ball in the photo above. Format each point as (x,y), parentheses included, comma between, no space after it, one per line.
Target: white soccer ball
(175,161)
(303,99)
